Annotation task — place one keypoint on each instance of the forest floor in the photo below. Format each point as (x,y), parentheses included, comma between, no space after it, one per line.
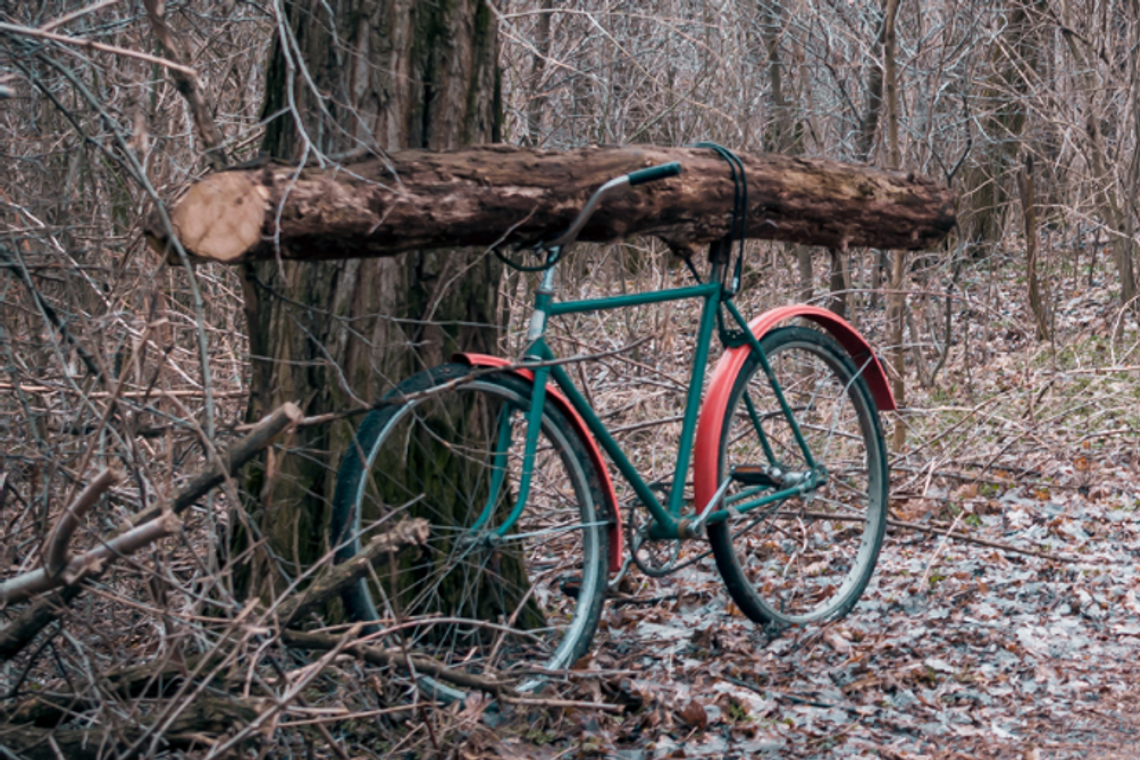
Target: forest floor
(1022,642)
(958,651)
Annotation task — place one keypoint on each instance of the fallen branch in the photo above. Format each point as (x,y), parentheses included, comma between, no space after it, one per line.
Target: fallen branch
(90,564)
(148,524)
(20,631)
(56,552)
(153,680)
(563,704)
(208,717)
(380,549)
(410,664)
(937,530)
(959,536)
(232,460)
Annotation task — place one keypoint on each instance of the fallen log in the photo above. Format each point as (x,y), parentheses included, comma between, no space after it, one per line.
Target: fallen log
(496,194)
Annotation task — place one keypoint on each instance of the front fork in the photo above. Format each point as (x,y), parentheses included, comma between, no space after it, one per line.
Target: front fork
(503,439)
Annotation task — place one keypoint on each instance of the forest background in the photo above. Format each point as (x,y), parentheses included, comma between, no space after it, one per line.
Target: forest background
(1016,350)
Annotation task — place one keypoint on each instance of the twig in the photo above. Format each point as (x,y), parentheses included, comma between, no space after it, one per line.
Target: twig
(89,564)
(186,81)
(29,31)
(41,613)
(406,534)
(381,656)
(396,399)
(56,555)
(33,619)
(295,691)
(67,18)
(207,715)
(944,531)
(232,460)
(152,393)
(946,535)
(568,703)
(12,261)
(779,695)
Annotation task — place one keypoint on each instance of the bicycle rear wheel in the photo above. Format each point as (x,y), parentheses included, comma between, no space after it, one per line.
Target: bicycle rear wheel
(492,593)
(807,558)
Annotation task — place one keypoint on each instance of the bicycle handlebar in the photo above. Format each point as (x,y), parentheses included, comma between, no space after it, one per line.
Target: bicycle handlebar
(653,173)
(639,177)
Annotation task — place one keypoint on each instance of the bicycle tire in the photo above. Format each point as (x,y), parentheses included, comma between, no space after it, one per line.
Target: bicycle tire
(807,558)
(519,604)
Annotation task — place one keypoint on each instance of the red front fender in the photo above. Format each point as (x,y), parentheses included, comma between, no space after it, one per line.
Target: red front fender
(705,464)
(564,406)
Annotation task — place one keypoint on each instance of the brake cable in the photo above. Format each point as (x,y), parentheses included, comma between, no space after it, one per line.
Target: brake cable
(737,229)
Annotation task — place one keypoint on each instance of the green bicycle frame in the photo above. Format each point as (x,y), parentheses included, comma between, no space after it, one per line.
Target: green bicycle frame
(668,522)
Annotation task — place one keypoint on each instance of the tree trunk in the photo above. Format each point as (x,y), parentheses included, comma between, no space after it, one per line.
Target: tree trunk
(1029,208)
(1114,209)
(536,103)
(785,133)
(896,301)
(1115,217)
(1015,70)
(499,194)
(840,282)
(390,75)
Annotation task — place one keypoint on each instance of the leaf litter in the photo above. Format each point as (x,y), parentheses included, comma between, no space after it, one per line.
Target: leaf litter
(1023,641)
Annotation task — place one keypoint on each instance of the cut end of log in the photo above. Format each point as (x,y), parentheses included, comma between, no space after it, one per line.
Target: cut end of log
(220,217)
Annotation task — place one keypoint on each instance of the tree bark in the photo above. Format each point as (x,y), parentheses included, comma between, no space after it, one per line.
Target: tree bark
(1029,209)
(375,75)
(415,200)
(896,302)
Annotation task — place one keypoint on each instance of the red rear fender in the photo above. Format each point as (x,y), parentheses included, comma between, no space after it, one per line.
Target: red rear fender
(707,446)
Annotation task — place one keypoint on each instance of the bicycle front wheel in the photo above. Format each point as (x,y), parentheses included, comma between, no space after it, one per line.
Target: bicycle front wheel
(807,558)
(498,590)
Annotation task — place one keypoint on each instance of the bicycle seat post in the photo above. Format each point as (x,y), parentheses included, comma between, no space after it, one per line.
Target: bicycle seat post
(542,299)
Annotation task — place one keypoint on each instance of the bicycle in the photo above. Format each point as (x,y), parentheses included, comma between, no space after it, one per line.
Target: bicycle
(789,481)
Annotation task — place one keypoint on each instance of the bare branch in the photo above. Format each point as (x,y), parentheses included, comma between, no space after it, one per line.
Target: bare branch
(28,31)
(232,460)
(89,564)
(187,83)
(56,555)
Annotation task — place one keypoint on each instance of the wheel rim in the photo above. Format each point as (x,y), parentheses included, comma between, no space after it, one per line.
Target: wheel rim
(806,558)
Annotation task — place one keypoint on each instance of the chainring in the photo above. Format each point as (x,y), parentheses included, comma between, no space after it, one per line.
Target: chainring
(654,557)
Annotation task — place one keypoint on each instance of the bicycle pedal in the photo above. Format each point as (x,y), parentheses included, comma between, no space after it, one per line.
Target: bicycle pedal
(753,475)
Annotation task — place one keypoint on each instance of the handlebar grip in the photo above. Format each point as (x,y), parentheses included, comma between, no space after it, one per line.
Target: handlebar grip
(654,173)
